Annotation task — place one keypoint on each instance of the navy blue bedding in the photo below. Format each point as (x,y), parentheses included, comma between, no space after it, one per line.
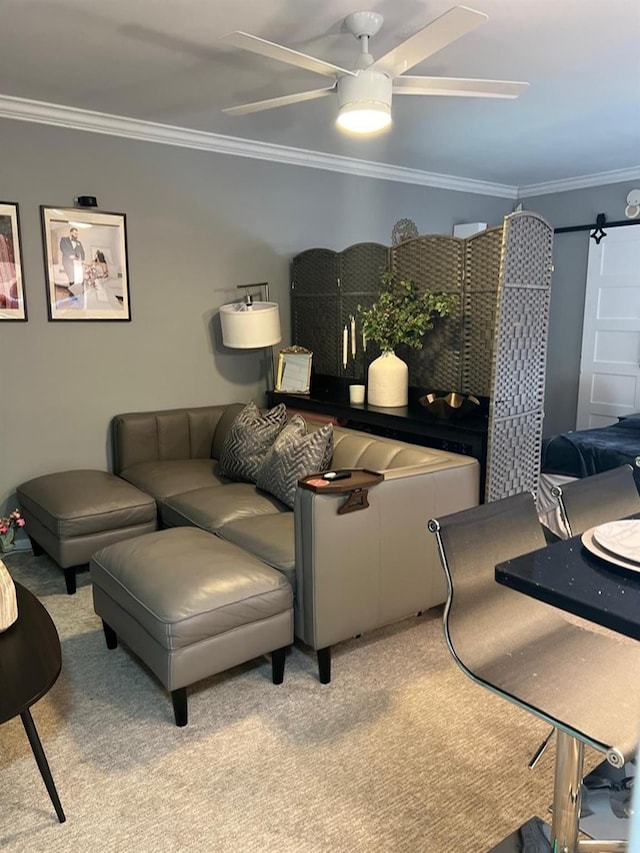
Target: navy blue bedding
(589,451)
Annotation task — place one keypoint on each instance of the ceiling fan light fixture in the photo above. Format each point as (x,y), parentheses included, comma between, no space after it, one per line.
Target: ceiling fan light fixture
(364,117)
(364,102)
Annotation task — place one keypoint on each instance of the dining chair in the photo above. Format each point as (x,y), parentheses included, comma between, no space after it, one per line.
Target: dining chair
(596,499)
(532,655)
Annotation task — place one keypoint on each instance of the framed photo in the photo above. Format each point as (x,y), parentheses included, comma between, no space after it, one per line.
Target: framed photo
(294,370)
(85,256)
(12,302)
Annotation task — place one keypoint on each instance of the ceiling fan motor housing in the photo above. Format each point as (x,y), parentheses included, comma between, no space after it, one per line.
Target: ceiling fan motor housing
(368,87)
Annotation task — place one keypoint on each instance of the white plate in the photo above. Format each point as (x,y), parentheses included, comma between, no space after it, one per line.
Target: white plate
(591,545)
(621,538)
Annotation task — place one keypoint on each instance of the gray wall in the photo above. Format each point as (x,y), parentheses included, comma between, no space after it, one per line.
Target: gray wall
(570,253)
(198,224)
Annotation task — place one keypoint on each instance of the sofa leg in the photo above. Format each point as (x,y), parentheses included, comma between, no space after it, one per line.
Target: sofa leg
(277,665)
(37,549)
(179,699)
(324,665)
(70,580)
(110,635)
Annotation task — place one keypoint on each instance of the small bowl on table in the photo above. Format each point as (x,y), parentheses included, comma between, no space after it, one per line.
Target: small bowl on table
(451,407)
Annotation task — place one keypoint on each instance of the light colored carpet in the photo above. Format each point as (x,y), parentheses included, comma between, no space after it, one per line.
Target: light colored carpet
(401,752)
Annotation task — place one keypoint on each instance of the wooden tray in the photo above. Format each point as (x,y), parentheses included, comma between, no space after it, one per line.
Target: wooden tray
(361,478)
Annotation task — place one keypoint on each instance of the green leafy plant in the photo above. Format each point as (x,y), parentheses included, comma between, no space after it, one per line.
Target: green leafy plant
(402,314)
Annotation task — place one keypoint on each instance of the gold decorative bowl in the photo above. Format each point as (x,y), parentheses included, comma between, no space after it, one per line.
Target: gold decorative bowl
(452,407)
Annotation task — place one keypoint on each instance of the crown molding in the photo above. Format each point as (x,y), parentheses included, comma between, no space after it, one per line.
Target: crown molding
(73,118)
(581,182)
(40,112)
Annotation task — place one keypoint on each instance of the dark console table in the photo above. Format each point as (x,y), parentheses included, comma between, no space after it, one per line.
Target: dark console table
(406,423)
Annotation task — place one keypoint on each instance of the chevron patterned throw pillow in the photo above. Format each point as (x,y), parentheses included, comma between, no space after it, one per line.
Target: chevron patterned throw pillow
(248,441)
(295,454)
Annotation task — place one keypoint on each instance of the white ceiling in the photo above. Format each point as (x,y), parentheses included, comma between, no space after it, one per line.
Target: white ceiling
(161,61)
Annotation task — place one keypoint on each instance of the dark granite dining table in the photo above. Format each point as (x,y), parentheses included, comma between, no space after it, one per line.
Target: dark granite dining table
(570,577)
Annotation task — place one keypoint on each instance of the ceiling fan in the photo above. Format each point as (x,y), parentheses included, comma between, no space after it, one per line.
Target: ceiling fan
(364,93)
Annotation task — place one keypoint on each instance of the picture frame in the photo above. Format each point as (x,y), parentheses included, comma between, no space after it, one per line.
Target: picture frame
(13,305)
(86,266)
(294,370)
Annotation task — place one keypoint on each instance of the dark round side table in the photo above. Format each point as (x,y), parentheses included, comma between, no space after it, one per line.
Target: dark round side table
(30,663)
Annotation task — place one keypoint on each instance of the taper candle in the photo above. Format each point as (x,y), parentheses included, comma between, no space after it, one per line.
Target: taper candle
(353,336)
(345,345)
(364,342)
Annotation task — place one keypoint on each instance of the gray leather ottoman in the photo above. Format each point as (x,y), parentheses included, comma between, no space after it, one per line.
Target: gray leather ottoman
(71,514)
(190,605)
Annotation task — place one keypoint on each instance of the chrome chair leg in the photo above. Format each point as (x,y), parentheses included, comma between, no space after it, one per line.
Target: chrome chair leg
(594,846)
(567,795)
(537,755)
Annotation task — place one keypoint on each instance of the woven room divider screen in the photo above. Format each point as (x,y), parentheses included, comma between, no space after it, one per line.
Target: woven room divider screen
(493,345)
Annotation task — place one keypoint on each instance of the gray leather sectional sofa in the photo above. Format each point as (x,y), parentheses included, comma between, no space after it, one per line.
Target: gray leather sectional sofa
(350,572)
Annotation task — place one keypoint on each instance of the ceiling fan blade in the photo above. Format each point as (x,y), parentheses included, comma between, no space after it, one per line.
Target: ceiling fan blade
(272,103)
(447,28)
(245,41)
(462,87)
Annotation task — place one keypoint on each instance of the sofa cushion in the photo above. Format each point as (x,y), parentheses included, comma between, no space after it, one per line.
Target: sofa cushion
(164,478)
(248,441)
(295,454)
(271,538)
(354,449)
(212,507)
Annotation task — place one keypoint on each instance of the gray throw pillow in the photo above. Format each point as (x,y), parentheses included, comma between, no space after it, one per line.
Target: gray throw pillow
(248,441)
(295,454)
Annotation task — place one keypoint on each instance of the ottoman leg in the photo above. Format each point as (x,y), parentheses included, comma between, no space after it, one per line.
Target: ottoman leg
(324,664)
(179,699)
(277,665)
(70,580)
(35,547)
(110,635)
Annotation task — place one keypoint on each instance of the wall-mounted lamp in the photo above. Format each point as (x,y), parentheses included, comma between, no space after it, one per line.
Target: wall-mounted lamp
(249,324)
(86,201)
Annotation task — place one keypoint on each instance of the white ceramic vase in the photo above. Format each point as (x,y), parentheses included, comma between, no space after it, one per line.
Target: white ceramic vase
(8,602)
(388,381)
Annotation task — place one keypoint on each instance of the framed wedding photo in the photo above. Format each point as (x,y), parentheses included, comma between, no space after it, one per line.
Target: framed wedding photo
(12,302)
(85,256)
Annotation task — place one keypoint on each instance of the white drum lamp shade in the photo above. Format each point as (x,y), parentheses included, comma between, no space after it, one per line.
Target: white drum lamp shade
(250,326)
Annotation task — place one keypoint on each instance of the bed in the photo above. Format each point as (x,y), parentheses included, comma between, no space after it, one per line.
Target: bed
(578,454)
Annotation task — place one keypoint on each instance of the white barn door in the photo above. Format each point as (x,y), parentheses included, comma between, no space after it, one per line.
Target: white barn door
(610,360)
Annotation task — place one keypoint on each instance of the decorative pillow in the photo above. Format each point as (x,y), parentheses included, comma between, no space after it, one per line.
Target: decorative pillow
(248,441)
(295,454)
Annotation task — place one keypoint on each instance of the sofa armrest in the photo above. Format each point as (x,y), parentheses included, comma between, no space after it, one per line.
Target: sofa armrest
(362,570)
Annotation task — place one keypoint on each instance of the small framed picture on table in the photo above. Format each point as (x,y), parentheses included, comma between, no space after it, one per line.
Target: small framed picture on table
(294,370)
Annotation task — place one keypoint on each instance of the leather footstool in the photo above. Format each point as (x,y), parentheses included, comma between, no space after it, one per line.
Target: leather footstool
(190,605)
(71,514)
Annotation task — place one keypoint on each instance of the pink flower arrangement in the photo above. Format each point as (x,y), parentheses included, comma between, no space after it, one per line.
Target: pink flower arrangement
(13,520)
